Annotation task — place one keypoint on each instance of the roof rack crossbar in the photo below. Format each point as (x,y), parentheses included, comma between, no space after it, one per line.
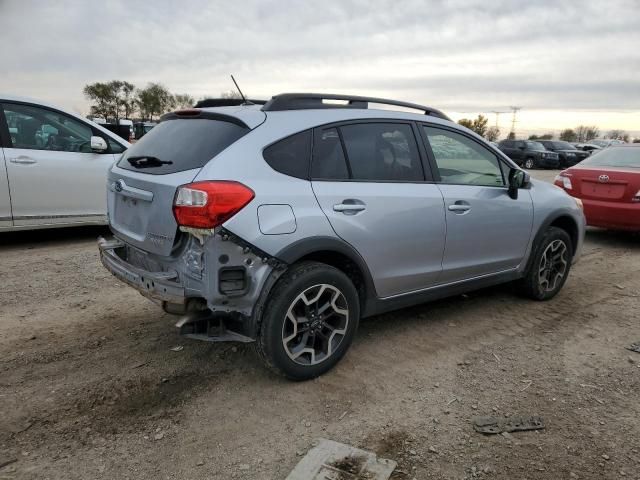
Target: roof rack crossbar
(307,101)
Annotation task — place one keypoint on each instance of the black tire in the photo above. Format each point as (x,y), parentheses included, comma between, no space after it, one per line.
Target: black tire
(297,279)
(529,163)
(531,285)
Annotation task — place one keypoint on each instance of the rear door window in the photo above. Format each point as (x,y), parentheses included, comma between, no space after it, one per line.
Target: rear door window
(291,155)
(176,145)
(382,152)
(329,162)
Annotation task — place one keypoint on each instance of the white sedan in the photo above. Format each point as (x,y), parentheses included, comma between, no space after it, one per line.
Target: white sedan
(53,166)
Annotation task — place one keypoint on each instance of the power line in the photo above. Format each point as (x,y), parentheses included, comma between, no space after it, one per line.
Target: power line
(497,113)
(515,111)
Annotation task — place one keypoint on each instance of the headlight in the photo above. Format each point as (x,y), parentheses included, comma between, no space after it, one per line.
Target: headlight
(579,203)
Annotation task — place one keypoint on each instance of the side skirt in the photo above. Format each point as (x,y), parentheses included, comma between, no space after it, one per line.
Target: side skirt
(382,305)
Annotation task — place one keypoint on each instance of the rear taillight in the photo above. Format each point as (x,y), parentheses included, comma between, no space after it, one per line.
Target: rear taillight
(564,179)
(209,204)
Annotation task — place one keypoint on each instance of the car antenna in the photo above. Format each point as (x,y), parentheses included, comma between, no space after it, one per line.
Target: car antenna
(244,100)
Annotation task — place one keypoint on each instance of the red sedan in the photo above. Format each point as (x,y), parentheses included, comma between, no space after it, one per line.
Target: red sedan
(608,183)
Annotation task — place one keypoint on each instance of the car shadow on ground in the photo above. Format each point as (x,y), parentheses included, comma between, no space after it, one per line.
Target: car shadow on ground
(610,238)
(51,236)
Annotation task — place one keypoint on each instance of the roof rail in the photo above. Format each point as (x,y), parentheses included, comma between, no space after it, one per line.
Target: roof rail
(226,102)
(305,101)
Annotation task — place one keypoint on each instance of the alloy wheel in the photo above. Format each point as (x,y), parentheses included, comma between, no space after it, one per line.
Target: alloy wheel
(315,324)
(553,265)
(528,164)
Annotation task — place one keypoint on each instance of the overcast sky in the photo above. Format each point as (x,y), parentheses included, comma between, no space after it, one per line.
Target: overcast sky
(564,62)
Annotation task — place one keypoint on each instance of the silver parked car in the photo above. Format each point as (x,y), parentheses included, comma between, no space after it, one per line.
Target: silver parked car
(285,223)
(53,166)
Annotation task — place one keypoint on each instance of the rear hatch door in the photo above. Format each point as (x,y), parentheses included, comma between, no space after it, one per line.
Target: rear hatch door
(142,185)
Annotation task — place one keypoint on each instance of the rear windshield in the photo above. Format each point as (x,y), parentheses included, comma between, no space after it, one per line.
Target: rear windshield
(176,145)
(615,157)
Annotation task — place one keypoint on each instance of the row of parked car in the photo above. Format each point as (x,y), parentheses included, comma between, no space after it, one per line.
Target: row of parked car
(550,153)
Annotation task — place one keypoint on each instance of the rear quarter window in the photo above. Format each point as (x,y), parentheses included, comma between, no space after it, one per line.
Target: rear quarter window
(177,145)
(291,156)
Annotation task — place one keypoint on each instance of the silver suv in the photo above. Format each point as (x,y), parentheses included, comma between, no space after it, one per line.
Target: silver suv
(285,223)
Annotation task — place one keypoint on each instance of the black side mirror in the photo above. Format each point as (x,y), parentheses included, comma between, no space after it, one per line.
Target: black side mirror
(517,179)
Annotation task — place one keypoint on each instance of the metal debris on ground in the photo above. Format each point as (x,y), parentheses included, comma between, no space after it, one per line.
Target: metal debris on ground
(494,425)
(634,347)
(331,460)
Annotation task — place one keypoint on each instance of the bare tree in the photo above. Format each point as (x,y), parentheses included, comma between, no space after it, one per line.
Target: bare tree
(586,132)
(617,134)
(183,100)
(230,94)
(493,133)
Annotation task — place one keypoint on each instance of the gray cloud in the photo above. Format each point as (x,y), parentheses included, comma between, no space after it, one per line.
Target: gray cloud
(465,55)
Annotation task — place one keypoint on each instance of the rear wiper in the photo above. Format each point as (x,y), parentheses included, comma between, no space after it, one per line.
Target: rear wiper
(146,162)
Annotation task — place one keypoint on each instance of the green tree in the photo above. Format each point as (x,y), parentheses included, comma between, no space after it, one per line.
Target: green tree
(493,133)
(568,135)
(100,94)
(478,125)
(111,100)
(546,136)
(155,99)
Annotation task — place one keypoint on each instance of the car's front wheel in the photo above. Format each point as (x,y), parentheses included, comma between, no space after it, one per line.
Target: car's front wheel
(549,266)
(309,321)
(529,163)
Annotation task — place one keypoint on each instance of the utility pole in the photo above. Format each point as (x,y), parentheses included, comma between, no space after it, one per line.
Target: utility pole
(515,111)
(497,115)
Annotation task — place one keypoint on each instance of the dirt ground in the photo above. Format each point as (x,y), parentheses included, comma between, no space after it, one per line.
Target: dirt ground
(91,388)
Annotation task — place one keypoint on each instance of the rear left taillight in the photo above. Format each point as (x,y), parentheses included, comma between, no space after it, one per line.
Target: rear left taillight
(563,177)
(209,204)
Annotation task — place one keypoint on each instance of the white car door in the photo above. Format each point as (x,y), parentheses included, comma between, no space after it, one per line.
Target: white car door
(54,177)
(5,199)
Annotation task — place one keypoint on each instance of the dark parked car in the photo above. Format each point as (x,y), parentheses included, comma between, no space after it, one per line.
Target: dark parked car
(569,155)
(587,147)
(140,129)
(529,154)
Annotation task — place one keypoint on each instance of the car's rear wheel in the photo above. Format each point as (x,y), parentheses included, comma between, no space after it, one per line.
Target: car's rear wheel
(309,321)
(529,163)
(549,266)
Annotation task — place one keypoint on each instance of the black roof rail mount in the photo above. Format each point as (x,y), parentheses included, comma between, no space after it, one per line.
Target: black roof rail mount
(308,101)
(226,102)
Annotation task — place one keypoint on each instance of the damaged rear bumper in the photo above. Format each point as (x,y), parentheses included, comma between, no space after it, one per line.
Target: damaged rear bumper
(159,286)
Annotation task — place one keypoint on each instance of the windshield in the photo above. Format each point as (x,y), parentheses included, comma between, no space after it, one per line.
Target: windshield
(563,146)
(180,144)
(535,146)
(624,157)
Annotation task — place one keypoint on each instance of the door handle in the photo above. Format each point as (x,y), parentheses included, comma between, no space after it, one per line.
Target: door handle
(349,207)
(459,207)
(22,160)
(341,207)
